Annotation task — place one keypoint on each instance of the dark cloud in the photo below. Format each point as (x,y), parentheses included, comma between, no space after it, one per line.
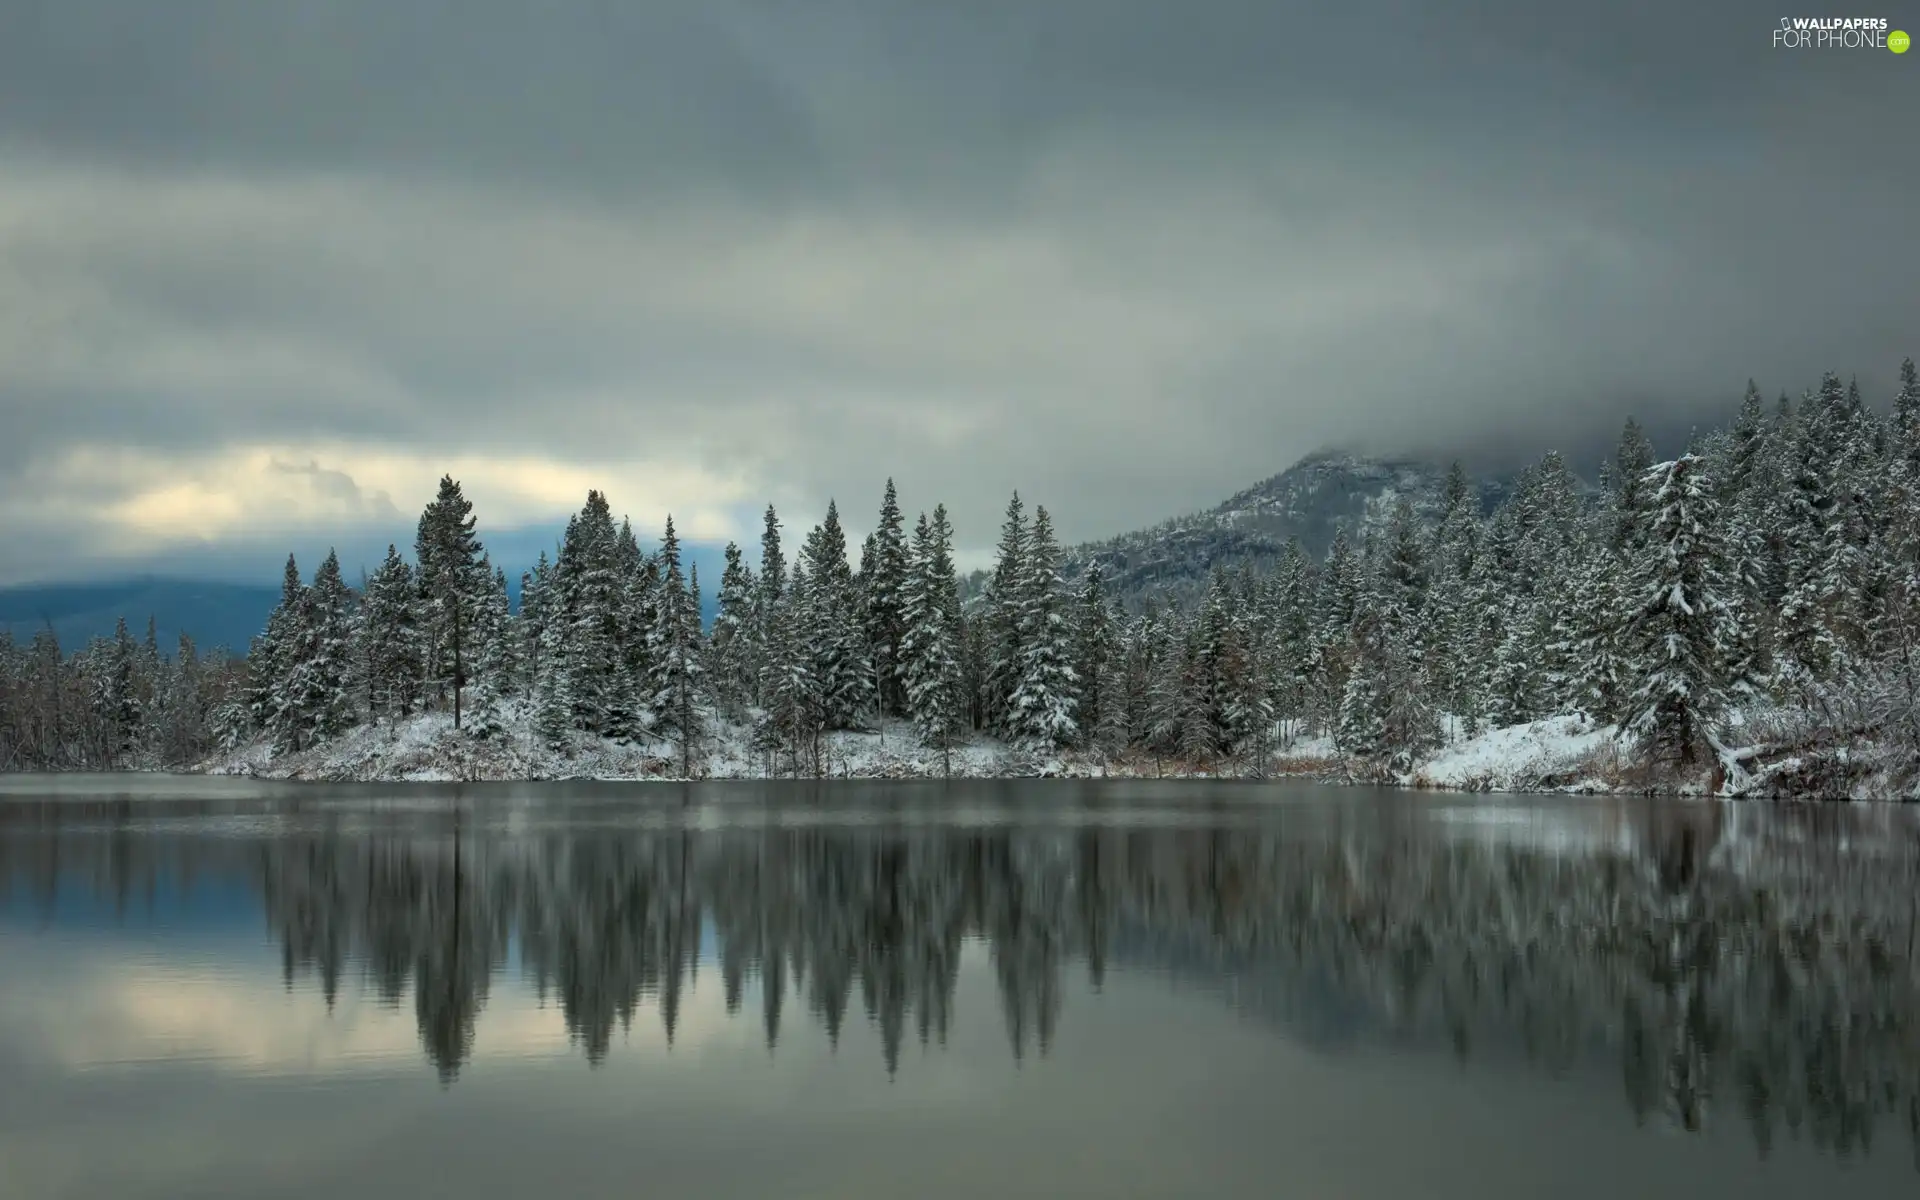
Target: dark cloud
(1125,255)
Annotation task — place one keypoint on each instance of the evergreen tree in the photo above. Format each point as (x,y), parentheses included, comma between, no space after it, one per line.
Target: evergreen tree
(1816,610)
(1904,427)
(1360,729)
(272,657)
(1245,700)
(1588,636)
(1682,620)
(1746,459)
(730,647)
(320,704)
(184,695)
(796,700)
(1290,619)
(1632,461)
(536,606)
(679,678)
(388,639)
(1165,652)
(149,685)
(117,695)
(1403,586)
(1119,697)
(1004,655)
(930,646)
(1040,712)
(886,581)
(593,600)
(453,585)
(496,661)
(1094,635)
(1199,737)
(1332,646)
(836,640)
(1453,653)
(629,680)
(554,705)
(768,608)
(1516,689)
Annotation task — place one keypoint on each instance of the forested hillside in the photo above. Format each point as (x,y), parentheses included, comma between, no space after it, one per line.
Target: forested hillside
(1310,501)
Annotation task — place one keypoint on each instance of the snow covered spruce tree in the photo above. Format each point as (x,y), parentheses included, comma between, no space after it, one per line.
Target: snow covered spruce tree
(530,624)
(117,688)
(1815,610)
(769,594)
(1123,705)
(678,676)
(833,632)
(1242,676)
(454,579)
(594,631)
(730,646)
(931,643)
(1385,710)
(1683,618)
(1339,584)
(320,706)
(1451,654)
(883,585)
(796,701)
(496,661)
(1041,708)
(272,658)
(1002,654)
(1093,646)
(1588,633)
(1289,622)
(388,640)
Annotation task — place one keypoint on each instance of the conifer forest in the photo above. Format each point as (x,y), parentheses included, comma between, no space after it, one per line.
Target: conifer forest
(1745,609)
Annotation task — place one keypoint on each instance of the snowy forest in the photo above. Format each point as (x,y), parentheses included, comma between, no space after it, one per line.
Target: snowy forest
(1751,601)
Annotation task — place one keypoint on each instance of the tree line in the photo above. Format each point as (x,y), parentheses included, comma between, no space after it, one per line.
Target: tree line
(119,701)
(1762,583)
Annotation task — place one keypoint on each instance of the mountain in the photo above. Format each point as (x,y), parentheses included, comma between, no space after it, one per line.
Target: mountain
(213,614)
(1308,500)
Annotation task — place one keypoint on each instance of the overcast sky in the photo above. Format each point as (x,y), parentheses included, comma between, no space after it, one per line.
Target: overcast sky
(268,269)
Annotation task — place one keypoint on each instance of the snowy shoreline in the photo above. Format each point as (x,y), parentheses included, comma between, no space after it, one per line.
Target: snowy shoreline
(1558,755)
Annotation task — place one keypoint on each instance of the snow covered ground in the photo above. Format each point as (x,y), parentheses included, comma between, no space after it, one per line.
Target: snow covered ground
(426,748)
(1558,754)
(1564,753)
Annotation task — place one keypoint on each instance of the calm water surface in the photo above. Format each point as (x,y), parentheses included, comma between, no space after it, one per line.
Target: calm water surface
(1049,989)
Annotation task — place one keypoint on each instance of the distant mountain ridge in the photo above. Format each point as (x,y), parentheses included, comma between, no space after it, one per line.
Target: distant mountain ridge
(1310,500)
(213,614)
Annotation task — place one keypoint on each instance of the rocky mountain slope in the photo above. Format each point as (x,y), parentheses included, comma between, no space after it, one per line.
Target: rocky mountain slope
(1309,500)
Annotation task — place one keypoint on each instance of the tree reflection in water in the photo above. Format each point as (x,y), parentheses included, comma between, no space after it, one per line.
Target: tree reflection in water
(1758,962)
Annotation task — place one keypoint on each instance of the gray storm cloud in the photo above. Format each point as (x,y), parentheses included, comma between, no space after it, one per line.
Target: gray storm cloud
(1124,256)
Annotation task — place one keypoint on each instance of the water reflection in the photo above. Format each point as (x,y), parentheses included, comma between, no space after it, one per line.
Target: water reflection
(1749,964)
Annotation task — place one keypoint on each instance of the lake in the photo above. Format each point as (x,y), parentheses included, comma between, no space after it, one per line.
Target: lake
(218,987)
